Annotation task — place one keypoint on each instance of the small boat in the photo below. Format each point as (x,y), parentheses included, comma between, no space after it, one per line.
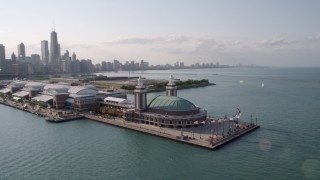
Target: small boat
(262,85)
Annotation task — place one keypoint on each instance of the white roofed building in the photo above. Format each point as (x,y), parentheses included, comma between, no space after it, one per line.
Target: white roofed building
(83,97)
(60,96)
(15,86)
(115,102)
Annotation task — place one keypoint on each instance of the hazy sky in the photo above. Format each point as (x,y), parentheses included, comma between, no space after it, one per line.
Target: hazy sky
(269,32)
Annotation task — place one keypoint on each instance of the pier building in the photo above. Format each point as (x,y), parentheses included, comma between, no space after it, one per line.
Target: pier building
(58,96)
(119,103)
(164,110)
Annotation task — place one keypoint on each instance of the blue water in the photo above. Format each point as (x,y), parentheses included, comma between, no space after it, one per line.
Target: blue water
(285,147)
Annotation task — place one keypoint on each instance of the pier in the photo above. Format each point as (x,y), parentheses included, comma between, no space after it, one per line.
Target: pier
(197,139)
(196,136)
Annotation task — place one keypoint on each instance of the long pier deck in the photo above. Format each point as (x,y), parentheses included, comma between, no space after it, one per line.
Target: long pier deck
(173,134)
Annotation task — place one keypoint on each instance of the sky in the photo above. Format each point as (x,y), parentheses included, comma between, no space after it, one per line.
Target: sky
(266,33)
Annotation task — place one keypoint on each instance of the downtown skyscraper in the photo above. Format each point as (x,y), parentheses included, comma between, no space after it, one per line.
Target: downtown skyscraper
(2,52)
(54,52)
(45,53)
(21,50)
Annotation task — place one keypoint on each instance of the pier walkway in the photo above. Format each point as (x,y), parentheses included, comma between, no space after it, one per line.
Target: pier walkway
(197,139)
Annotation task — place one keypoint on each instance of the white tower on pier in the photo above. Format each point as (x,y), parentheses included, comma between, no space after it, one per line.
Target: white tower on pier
(171,88)
(140,96)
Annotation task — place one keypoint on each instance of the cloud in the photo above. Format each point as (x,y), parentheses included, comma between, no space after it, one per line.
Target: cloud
(137,40)
(178,39)
(208,45)
(149,40)
(315,38)
(76,46)
(276,42)
(192,48)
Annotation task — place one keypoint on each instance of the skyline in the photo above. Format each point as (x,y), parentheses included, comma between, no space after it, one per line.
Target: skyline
(269,33)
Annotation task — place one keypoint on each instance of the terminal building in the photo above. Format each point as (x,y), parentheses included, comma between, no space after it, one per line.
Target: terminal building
(164,110)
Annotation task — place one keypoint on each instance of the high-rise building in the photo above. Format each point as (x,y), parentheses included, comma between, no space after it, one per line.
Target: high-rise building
(21,50)
(142,65)
(45,53)
(54,52)
(5,66)
(74,56)
(2,52)
(36,62)
(116,65)
(103,65)
(13,58)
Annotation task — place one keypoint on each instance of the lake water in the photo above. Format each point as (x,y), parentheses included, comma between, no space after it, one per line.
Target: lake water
(285,147)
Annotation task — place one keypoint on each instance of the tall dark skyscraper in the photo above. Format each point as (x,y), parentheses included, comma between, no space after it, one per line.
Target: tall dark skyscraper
(74,56)
(21,50)
(54,51)
(2,52)
(45,53)
(13,58)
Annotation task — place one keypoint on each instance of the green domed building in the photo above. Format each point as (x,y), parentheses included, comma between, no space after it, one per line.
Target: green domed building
(171,105)
(164,110)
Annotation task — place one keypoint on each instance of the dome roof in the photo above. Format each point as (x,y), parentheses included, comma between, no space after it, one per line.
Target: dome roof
(171,103)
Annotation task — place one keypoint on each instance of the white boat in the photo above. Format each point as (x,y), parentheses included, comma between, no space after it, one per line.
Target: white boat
(262,85)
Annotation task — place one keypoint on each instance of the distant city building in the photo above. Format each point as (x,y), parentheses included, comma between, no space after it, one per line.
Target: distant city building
(21,50)
(6,66)
(66,55)
(86,66)
(65,66)
(13,58)
(103,66)
(142,64)
(45,53)
(98,67)
(2,52)
(36,62)
(116,65)
(75,68)
(54,52)
(74,56)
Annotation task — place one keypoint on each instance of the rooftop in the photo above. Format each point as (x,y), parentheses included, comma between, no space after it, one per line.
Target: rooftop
(171,103)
